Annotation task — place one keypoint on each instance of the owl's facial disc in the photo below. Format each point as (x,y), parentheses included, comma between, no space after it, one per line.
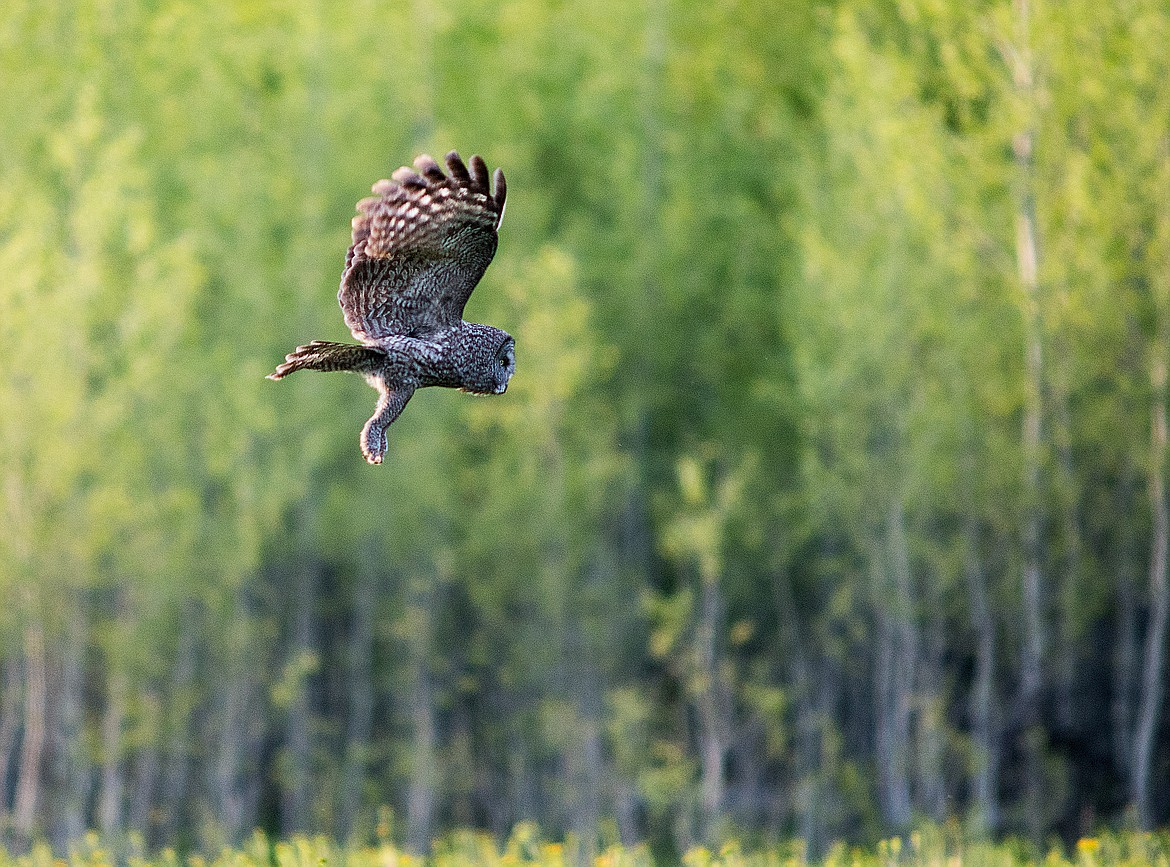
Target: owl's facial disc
(505,365)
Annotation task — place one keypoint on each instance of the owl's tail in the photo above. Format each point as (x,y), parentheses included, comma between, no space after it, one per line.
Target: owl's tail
(323,355)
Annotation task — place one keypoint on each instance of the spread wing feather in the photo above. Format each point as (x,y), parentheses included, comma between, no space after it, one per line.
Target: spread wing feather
(420,245)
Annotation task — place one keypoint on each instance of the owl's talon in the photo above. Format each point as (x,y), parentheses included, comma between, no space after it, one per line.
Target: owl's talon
(374,441)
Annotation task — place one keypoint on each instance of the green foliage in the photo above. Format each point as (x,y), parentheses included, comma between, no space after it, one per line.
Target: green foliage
(727,560)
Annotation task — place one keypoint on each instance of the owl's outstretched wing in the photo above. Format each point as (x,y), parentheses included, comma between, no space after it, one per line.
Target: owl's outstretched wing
(420,244)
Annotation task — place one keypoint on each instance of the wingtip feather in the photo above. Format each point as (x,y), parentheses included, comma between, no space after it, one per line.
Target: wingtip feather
(457,168)
(426,166)
(501,185)
(406,177)
(479,173)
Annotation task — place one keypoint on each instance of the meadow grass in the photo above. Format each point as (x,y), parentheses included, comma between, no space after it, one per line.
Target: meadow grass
(930,846)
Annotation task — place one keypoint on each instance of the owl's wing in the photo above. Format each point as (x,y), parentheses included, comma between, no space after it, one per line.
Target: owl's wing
(420,244)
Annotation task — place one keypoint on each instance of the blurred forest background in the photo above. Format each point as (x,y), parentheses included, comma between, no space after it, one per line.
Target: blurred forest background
(829,495)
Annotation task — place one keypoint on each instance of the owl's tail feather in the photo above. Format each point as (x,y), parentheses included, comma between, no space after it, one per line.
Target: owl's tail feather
(324,355)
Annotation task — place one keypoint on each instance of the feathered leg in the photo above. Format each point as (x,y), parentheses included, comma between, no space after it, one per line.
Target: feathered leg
(391,401)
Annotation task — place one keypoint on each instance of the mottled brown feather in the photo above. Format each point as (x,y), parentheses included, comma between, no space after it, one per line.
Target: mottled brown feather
(420,245)
(328,356)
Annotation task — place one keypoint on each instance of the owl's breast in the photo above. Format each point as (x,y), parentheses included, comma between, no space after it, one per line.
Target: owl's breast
(471,357)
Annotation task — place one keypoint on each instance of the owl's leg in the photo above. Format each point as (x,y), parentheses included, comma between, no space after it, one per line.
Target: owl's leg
(390,404)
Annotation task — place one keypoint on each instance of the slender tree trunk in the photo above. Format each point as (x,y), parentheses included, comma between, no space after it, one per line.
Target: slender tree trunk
(930,725)
(1070,635)
(1031,673)
(983,701)
(72,770)
(809,792)
(109,812)
(146,768)
(897,660)
(1125,658)
(467,781)
(907,659)
(589,776)
(522,800)
(714,722)
(233,773)
(177,762)
(224,782)
(422,791)
(1150,697)
(893,789)
(1028,268)
(10,700)
(644,310)
(303,648)
(28,783)
(818,793)
(806,800)
(585,762)
(1122,712)
(361,695)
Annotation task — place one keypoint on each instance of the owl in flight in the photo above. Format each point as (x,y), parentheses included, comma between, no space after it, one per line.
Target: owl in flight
(420,244)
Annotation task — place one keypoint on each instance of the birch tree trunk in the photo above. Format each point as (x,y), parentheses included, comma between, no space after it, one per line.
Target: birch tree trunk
(28,782)
(421,793)
(585,756)
(177,763)
(591,773)
(893,787)
(637,529)
(714,722)
(1125,663)
(146,769)
(930,726)
(983,694)
(361,696)
(301,658)
(1126,646)
(234,742)
(1150,697)
(109,811)
(10,696)
(1069,637)
(1032,652)
(72,771)
(806,800)
(897,656)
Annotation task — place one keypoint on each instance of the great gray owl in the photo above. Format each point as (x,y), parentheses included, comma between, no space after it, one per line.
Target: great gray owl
(420,244)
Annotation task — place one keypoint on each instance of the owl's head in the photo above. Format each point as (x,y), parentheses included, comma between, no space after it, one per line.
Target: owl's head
(486,358)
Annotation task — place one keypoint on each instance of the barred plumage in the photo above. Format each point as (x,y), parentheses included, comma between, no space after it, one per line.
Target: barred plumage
(324,355)
(420,246)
